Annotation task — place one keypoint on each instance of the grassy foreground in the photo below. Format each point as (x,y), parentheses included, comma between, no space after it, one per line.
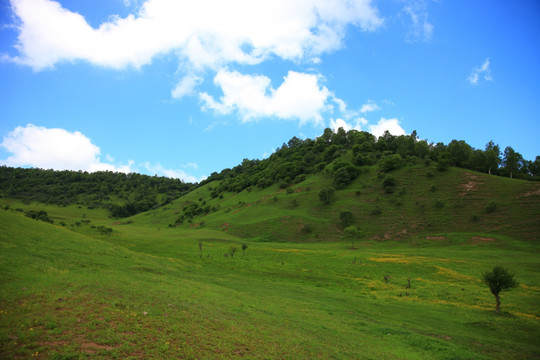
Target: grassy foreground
(148,293)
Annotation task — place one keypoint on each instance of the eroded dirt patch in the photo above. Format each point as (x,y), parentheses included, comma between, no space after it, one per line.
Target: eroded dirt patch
(531,193)
(435,238)
(481,239)
(472,183)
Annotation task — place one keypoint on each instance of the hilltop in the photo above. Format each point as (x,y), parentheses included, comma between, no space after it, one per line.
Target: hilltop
(390,188)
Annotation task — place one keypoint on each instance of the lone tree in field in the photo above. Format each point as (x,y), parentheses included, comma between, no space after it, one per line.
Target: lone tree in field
(499,279)
(232,250)
(244,247)
(351,233)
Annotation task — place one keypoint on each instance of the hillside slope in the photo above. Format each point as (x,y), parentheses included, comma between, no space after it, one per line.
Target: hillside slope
(424,201)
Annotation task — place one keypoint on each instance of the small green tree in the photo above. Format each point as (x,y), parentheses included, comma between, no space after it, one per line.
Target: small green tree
(244,247)
(232,250)
(347,218)
(342,178)
(499,279)
(327,195)
(389,184)
(351,233)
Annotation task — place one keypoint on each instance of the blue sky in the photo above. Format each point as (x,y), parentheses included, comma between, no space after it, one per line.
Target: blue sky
(183,89)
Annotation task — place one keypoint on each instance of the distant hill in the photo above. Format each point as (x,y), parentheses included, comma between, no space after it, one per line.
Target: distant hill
(123,194)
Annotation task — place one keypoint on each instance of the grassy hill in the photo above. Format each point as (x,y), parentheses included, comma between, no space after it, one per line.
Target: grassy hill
(424,202)
(252,264)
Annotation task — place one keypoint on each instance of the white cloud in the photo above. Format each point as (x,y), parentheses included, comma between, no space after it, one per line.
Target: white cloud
(357,124)
(57,149)
(481,72)
(361,124)
(190,165)
(60,149)
(300,96)
(420,29)
(159,170)
(186,86)
(369,106)
(392,125)
(204,33)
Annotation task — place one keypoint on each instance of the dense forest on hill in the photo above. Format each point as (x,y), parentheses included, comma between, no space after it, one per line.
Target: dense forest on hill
(298,158)
(123,194)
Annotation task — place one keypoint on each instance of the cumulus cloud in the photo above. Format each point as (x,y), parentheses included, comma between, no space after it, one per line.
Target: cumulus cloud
(300,96)
(361,124)
(54,149)
(204,33)
(420,29)
(480,72)
(59,149)
(357,124)
(390,125)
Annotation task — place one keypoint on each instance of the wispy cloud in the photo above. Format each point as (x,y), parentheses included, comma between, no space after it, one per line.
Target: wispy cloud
(186,86)
(482,72)
(159,170)
(420,27)
(369,107)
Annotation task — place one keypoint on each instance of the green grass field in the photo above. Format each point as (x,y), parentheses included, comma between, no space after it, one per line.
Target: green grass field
(146,291)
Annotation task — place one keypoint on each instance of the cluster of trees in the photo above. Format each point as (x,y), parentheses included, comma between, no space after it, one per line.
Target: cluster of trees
(123,194)
(296,159)
(192,210)
(39,215)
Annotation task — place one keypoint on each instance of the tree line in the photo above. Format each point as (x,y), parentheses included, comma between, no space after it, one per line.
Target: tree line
(349,151)
(123,194)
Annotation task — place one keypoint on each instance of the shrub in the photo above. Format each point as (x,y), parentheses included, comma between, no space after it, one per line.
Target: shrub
(347,218)
(390,163)
(283,184)
(327,195)
(389,184)
(491,207)
(306,229)
(376,211)
(439,204)
(443,163)
(232,250)
(342,178)
(300,178)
